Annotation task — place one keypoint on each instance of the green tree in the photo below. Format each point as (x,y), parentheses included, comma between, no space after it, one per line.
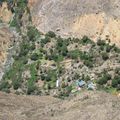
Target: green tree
(51,34)
(34,56)
(105,56)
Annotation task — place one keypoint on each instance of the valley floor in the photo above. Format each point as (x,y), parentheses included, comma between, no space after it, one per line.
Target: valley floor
(87,105)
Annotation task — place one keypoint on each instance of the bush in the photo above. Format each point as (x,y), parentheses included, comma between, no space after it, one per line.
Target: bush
(104,79)
(51,75)
(114,83)
(117,71)
(24,48)
(14,23)
(31,89)
(32,33)
(87,78)
(85,40)
(16,84)
(45,41)
(86,56)
(4,85)
(101,42)
(51,34)
(105,56)
(25,60)
(108,48)
(88,63)
(107,76)
(74,54)
(116,49)
(32,47)
(34,56)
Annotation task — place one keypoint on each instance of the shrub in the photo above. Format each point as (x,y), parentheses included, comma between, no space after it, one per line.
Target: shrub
(16,84)
(102,47)
(32,33)
(88,63)
(108,48)
(117,70)
(51,75)
(85,40)
(43,77)
(32,47)
(104,79)
(60,42)
(105,56)
(14,23)
(25,60)
(116,49)
(107,76)
(74,54)
(114,83)
(4,85)
(34,56)
(65,92)
(64,51)
(87,78)
(31,89)
(46,40)
(51,34)
(77,76)
(24,48)
(101,42)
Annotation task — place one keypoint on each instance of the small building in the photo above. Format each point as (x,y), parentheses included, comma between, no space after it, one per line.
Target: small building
(80,83)
(91,86)
(57,83)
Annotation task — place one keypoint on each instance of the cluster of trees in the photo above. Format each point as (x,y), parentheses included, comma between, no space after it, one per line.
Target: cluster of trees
(115,82)
(18,7)
(104,79)
(58,54)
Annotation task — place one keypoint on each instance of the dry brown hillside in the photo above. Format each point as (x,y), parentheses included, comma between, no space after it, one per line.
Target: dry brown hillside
(94,18)
(85,106)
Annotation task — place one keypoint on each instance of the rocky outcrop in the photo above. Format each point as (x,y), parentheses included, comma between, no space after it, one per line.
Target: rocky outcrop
(94,18)
(5,13)
(5,42)
(7,39)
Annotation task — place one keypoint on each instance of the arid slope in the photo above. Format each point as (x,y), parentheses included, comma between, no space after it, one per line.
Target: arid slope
(94,18)
(86,105)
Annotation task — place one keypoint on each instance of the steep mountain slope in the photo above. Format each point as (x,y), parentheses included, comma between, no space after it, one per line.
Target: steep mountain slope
(86,105)
(94,18)
(41,59)
(6,42)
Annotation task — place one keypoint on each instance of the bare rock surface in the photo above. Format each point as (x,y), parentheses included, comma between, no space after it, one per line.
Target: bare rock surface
(94,18)
(5,14)
(85,106)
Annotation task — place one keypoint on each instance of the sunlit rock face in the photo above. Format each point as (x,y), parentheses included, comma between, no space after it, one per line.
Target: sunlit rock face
(6,40)
(5,13)
(94,18)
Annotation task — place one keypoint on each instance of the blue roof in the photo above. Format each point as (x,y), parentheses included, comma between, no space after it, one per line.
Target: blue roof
(80,83)
(91,85)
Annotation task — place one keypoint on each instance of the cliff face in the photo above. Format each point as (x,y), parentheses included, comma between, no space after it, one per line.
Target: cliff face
(94,18)
(5,13)
(6,42)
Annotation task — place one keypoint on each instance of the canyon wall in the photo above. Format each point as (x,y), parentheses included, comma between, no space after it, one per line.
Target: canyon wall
(94,18)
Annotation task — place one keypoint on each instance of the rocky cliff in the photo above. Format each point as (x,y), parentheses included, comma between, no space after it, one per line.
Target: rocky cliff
(94,18)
